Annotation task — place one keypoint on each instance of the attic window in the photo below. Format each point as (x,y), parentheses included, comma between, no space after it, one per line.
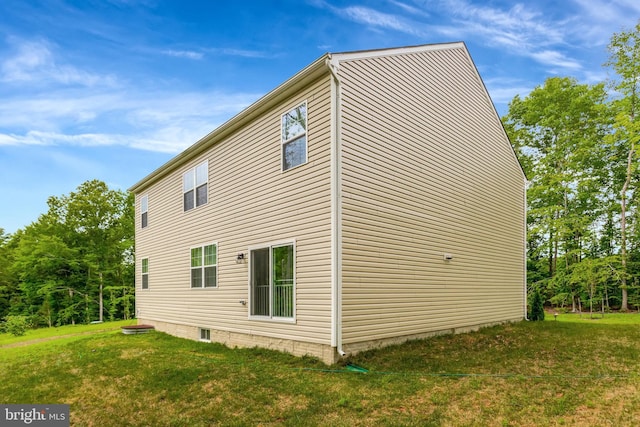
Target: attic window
(194,186)
(294,137)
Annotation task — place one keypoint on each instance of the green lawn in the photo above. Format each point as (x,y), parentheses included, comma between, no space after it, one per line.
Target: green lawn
(46,333)
(557,372)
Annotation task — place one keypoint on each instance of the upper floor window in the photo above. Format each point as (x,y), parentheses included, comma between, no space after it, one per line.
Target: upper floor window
(294,137)
(204,266)
(144,208)
(194,186)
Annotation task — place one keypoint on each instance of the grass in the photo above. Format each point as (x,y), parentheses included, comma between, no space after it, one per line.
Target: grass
(631,318)
(46,333)
(562,372)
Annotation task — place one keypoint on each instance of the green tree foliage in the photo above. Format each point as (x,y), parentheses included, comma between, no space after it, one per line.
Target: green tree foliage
(578,145)
(624,50)
(5,276)
(15,325)
(556,131)
(537,307)
(63,263)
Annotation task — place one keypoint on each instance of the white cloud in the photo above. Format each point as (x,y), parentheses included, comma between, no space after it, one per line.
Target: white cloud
(601,18)
(242,52)
(555,58)
(373,18)
(189,54)
(517,27)
(71,107)
(409,9)
(610,11)
(165,140)
(33,62)
(155,120)
(503,90)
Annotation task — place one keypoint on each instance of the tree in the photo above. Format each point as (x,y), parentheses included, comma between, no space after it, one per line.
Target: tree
(537,306)
(46,268)
(624,50)
(80,247)
(556,132)
(5,276)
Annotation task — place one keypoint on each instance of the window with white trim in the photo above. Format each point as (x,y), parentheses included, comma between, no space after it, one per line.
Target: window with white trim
(194,186)
(145,273)
(205,334)
(294,137)
(144,208)
(273,281)
(204,266)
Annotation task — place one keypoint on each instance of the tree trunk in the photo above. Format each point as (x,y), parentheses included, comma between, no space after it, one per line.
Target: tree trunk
(551,251)
(623,231)
(100,296)
(580,306)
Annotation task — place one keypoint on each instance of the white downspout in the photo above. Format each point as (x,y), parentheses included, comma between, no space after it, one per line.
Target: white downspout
(526,184)
(336,212)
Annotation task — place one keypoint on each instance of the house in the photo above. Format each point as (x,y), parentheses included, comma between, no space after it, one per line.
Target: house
(370,199)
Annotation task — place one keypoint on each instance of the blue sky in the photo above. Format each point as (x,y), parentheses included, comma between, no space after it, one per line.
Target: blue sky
(112,89)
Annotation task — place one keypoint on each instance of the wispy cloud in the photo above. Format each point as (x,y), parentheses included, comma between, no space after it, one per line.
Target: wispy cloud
(365,15)
(555,58)
(33,62)
(189,54)
(409,9)
(373,18)
(503,90)
(72,107)
(200,54)
(156,121)
(521,29)
(242,52)
(601,18)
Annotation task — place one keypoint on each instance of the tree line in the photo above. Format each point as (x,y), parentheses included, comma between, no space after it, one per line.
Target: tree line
(578,145)
(75,264)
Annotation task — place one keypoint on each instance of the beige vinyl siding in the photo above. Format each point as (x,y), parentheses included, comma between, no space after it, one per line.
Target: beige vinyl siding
(250,202)
(426,170)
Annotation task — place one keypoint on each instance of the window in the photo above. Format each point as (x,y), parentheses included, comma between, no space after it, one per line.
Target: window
(194,186)
(145,273)
(205,334)
(204,262)
(294,137)
(144,208)
(272,281)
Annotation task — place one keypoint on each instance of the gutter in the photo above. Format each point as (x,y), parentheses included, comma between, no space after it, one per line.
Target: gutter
(336,209)
(524,246)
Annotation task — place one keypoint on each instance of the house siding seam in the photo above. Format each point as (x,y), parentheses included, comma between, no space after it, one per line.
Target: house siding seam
(426,170)
(250,202)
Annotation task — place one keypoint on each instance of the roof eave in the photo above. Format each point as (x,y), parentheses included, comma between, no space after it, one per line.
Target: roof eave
(305,76)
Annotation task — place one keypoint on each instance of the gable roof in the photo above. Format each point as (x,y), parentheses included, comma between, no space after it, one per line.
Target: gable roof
(305,76)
